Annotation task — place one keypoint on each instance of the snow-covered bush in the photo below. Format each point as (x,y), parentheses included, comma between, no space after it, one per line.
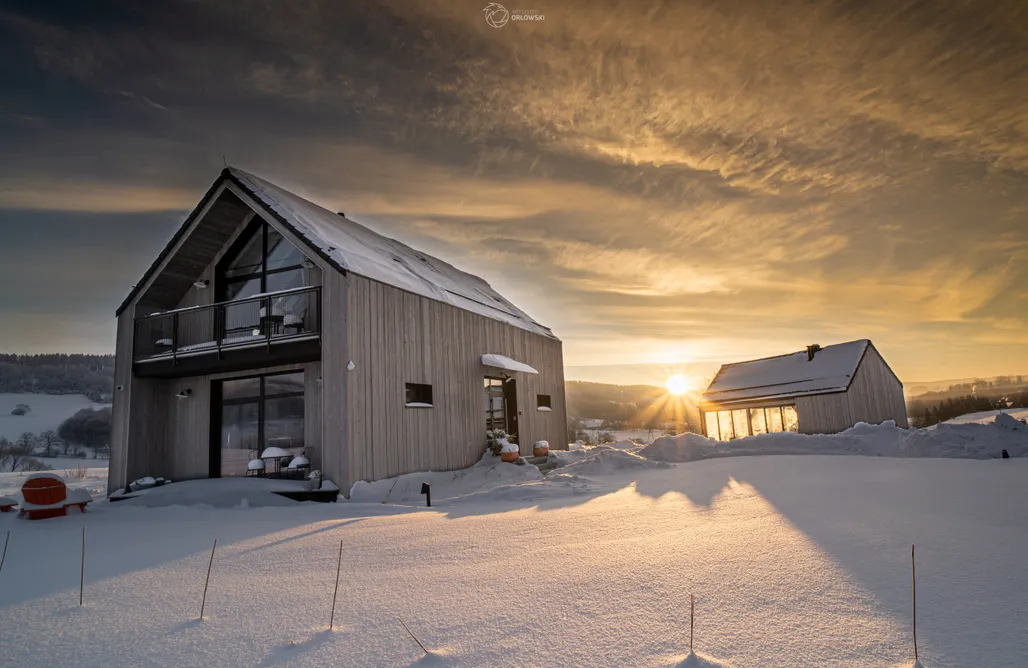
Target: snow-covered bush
(507,446)
(493,439)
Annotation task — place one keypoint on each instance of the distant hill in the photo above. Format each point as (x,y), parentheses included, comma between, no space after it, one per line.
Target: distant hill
(635,406)
(58,373)
(959,386)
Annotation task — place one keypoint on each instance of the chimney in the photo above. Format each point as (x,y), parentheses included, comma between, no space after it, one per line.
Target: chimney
(811,351)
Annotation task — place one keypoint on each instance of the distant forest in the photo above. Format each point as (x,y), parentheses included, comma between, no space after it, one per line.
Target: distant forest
(91,375)
(972,397)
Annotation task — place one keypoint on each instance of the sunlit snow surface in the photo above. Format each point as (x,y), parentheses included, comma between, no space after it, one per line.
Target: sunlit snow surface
(794,560)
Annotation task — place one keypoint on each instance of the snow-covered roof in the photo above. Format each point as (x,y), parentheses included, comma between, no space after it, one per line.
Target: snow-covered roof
(355,248)
(786,376)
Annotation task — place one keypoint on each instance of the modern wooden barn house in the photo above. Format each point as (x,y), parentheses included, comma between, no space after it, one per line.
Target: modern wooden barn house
(816,391)
(271,322)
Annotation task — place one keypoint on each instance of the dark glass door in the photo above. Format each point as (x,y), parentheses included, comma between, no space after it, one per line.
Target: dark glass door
(255,414)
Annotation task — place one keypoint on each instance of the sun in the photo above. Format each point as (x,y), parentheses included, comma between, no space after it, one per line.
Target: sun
(677,384)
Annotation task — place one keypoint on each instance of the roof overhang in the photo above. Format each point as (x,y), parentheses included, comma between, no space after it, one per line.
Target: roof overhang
(506,363)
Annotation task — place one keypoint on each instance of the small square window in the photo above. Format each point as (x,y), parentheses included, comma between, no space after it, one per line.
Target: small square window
(419,395)
(542,403)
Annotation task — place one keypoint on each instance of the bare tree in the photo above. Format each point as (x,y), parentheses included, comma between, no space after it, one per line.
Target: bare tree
(51,441)
(13,455)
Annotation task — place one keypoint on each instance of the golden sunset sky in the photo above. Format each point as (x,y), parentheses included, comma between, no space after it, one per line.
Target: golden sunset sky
(667,185)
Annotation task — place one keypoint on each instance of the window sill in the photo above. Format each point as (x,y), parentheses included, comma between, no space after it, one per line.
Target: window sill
(544,409)
(417,404)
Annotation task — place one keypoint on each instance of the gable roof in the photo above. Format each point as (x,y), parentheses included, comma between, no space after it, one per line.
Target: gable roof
(790,375)
(351,247)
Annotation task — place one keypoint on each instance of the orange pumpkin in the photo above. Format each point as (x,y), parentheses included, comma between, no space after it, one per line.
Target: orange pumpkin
(509,456)
(540,452)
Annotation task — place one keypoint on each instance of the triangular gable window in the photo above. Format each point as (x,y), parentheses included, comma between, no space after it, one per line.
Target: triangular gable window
(261,261)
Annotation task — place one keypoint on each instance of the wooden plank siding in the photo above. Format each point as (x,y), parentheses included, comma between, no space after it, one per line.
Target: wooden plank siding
(120,409)
(876,394)
(824,413)
(396,337)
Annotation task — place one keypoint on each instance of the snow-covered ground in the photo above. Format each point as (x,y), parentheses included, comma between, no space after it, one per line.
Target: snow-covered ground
(985,417)
(969,441)
(794,561)
(48,412)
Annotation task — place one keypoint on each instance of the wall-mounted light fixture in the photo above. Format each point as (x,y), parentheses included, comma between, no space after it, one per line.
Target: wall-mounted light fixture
(201,284)
(308,263)
(351,366)
(119,387)
(184,394)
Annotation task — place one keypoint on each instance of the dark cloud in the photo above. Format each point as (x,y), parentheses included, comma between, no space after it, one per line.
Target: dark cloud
(704,179)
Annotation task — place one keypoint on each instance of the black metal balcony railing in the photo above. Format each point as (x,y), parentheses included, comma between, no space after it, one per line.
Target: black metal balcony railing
(262,320)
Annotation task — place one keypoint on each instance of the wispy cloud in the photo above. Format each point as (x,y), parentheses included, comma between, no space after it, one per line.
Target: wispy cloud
(716,179)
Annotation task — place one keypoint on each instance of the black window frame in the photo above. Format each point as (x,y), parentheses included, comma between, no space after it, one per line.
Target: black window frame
(223,281)
(260,399)
(416,393)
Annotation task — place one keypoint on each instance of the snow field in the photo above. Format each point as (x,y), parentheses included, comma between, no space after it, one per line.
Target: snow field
(794,561)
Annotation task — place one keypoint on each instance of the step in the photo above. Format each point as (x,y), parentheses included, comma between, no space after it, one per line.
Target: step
(537,461)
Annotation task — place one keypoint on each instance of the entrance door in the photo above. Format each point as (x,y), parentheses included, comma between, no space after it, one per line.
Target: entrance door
(501,404)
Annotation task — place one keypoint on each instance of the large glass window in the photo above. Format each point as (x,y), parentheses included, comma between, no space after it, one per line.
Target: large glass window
(262,262)
(729,424)
(258,413)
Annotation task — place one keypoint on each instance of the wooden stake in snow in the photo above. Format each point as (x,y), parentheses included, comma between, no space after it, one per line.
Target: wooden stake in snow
(4,558)
(82,572)
(339,564)
(692,614)
(913,600)
(203,602)
(412,636)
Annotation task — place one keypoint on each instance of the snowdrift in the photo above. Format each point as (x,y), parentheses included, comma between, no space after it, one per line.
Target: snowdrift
(488,474)
(963,441)
(603,460)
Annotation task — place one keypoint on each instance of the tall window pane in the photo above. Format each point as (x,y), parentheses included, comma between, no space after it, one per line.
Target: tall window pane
(757,421)
(774,419)
(790,420)
(283,423)
(712,428)
(740,423)
(724,421)
(250,259)
(239,437)
(281,253)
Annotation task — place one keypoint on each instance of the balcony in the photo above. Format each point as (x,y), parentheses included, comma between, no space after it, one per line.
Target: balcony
(265,330)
